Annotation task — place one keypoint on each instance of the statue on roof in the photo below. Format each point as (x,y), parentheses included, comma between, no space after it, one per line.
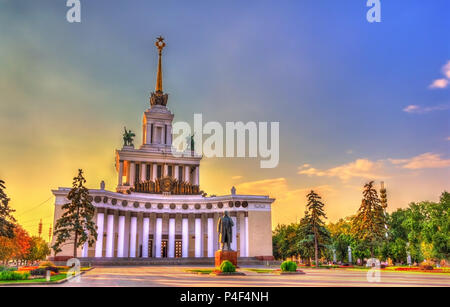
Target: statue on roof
(128,137)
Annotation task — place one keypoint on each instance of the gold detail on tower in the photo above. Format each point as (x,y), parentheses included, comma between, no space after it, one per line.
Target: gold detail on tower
(160,44)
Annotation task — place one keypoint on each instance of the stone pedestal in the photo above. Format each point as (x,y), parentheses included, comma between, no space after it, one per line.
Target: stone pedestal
(222,255)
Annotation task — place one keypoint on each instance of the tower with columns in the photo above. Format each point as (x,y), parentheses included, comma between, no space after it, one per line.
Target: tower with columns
(158,210)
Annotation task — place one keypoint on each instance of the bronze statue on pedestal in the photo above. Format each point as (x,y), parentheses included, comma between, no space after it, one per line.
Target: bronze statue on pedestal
(225,231)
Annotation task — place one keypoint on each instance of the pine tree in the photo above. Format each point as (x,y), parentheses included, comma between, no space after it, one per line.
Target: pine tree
(369,223)
(315,215)
(6,219)
(77,220)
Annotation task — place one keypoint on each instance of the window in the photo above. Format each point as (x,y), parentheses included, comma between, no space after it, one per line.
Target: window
(147,173)
(178,249)
(159,172)
(136,173)
(164,249)
(169,170)
(180,173)
(150,248)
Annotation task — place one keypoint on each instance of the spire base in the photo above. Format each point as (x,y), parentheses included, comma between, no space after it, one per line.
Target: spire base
(159,98)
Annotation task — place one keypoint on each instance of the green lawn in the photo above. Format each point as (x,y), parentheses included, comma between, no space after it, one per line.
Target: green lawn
(261,271)
(52,279)
(200,271)
(62,275)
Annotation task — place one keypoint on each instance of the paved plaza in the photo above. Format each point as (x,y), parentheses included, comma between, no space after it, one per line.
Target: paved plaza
(176,276)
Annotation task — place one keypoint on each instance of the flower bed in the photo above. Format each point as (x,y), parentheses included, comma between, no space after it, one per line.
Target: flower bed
(418,269)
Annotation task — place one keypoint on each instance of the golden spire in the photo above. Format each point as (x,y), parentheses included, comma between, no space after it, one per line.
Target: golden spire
(160,44)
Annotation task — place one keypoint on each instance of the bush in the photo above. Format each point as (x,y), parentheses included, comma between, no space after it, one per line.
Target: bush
(227,267)
(12,275)
(46,264)
(38,272)
(42,271)
(426,265)
(52,269)
(7,269)
(289,266)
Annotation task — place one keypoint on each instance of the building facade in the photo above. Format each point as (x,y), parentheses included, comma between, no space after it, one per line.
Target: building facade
(158,209)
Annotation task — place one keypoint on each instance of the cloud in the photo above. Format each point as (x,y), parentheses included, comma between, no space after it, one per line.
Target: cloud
(444,82)
(446,69)
(361,168)
(448,138)
(380,169)
(289,203)
(423,161)
(236,177)
(415,109)
(439,83)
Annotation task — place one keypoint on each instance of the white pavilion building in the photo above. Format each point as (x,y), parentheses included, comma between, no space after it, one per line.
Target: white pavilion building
(158,209)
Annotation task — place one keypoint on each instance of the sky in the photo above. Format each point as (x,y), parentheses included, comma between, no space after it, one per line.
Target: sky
(356,101)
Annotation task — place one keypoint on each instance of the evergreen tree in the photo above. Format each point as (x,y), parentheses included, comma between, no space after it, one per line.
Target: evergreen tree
(306,243)
(315,215)
(369,223)
(6,219)
(77,220)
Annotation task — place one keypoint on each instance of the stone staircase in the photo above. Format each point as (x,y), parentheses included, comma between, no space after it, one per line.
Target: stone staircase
(104,262)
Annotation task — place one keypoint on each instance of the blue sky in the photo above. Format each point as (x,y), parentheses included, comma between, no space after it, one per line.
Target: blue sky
(337,84)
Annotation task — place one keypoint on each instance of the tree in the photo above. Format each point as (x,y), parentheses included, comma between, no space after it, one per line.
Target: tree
(369,223)
(284,241)
(21,242)
(342,237)
(306,243)
(77,220)
(39,249)
(6,249)
(6,219)
(314,216)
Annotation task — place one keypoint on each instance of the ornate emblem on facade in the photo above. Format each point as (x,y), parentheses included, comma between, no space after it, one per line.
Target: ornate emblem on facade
(166,185)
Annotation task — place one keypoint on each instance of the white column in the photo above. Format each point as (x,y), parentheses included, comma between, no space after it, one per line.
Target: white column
(242,237)
(169,134)
(234,239)
(132,173)
(154,171)
(121,239)
(210,237)
(158,237)
(176,171)
(133,231)
(110,237)
(99,242)
(185,237)
(148,134)
(197,175)
(84,251)
(198,237)
(171,245)
(120,173)
(166,170)
(187,173)
(143,170)
(145,235)
(247,251)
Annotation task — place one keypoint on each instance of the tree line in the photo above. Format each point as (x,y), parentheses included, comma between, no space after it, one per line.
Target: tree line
(15,242)
(419,232)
